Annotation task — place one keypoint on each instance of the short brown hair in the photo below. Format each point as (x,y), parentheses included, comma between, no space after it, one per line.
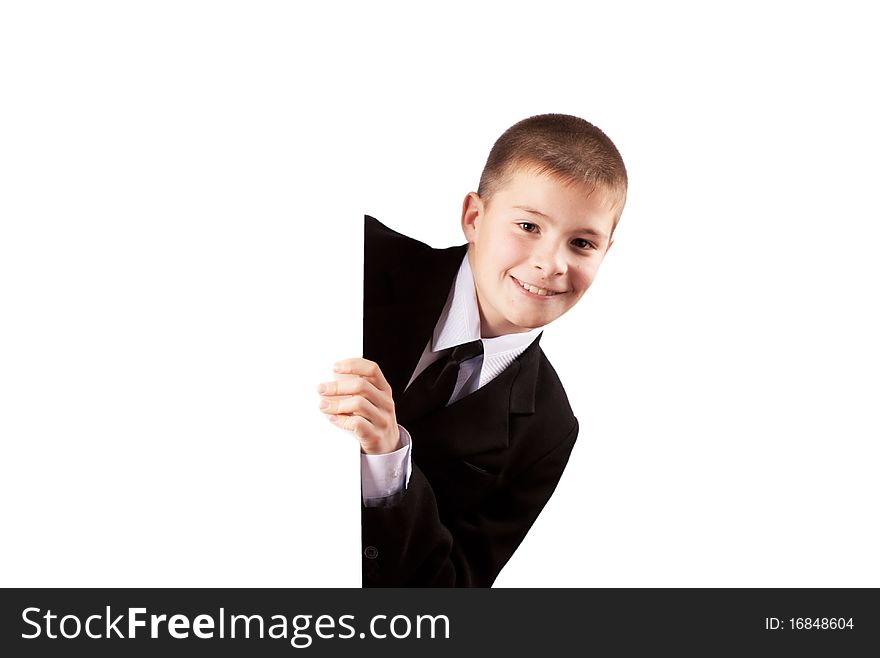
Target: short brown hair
(563,146)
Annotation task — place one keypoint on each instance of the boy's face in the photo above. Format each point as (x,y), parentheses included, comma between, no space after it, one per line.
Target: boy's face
(534,250)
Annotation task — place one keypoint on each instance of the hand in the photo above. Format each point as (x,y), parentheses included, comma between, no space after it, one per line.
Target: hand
(362,404)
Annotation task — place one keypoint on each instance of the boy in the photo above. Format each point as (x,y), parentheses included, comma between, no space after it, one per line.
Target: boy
(464,426)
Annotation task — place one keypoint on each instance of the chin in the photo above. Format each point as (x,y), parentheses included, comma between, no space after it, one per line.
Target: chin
(533,321)
(527,324)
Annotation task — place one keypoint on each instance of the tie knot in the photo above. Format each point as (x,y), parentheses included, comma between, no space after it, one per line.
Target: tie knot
(466,351)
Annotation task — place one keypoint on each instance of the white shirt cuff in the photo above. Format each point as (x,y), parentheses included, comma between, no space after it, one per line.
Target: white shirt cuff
(383,476)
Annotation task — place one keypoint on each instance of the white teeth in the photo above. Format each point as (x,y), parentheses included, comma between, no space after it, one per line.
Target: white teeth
(536,290)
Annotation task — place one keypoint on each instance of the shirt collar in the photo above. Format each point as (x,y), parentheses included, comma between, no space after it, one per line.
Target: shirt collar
(460,321)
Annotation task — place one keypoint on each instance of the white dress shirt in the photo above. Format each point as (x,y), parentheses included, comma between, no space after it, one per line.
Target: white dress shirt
(383,476)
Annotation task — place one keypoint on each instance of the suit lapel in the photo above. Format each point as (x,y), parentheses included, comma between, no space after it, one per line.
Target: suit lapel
(479,423)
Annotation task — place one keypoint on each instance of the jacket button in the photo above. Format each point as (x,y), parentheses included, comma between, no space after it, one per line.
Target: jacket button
(371,552)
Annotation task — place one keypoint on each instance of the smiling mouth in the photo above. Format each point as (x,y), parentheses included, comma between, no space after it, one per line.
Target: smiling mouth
(535,290)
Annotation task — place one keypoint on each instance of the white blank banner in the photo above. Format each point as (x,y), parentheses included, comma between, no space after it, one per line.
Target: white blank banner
(172,280)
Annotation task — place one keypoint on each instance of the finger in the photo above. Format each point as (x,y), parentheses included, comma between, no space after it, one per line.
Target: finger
(354,405)
(357,386)
(364,368)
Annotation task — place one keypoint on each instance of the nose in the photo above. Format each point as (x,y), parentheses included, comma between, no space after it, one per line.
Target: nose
(549,259)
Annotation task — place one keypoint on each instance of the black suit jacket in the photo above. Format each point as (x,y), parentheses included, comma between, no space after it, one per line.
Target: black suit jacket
(483,467)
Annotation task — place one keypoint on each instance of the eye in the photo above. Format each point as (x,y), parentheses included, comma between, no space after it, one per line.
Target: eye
(528,227)
(580,243)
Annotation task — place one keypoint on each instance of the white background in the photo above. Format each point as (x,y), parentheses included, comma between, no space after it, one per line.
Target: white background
(183,187)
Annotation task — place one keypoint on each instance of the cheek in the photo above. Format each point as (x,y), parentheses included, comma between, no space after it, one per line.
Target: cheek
(583,278)
(506,256)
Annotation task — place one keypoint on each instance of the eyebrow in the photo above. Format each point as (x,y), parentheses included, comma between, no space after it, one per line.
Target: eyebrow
(588,231)
(532,210)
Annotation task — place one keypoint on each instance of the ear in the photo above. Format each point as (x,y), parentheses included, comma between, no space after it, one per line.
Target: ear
(610,242)
(471,214)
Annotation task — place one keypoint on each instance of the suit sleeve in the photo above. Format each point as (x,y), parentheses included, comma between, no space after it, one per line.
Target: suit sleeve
(408,545)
